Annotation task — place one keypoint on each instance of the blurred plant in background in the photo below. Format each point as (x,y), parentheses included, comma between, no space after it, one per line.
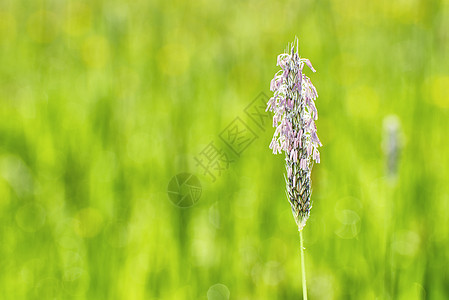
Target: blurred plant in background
(102,104)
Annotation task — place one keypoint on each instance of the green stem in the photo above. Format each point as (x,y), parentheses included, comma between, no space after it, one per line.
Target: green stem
(304,285)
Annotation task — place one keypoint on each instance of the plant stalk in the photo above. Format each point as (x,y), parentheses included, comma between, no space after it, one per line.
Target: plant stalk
(304,285)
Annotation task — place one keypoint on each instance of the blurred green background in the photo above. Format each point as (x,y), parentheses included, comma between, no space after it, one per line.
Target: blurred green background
(103,102)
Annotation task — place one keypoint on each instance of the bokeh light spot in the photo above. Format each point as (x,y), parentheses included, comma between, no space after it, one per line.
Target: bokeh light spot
(88,222)
(273,273)
(43,26)
(350,224)
(438,91)
(362,102)
(14,170)
(407,243)
(75,281)
(78,20)
(173,59)
(5,194)
(346,69)
(30,217)
(218,292)
(119,236)
(404,11)
(7,27)
(48,288)
(95,51)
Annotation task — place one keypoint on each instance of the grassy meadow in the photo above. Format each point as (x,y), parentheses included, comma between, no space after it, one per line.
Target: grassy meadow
(103,103)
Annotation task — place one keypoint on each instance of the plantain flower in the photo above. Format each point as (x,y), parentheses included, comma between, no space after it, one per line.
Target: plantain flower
(293,105)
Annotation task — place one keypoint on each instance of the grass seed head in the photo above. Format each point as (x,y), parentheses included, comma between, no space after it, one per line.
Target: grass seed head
(293,105)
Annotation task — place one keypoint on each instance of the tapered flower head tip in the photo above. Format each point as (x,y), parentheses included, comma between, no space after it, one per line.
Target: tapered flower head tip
(309,64)
(293,105)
